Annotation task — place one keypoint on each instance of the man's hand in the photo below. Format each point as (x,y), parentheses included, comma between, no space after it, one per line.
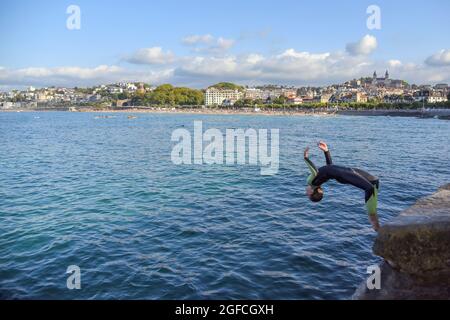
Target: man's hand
(306,153)
(323,146)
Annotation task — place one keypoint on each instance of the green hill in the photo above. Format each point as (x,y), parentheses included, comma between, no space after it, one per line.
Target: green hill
(227,86)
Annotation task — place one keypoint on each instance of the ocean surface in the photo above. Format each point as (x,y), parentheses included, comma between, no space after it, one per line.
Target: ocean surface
(103,194)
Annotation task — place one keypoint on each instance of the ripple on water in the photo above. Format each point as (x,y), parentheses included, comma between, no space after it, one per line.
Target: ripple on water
(109,199)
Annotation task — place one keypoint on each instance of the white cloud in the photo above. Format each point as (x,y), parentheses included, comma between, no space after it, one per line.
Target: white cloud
(209,66)
(254,58)
(198,39)
(154,55)
(441,58)
(66,72)
(365,46)
(394,63)
(298,68)
(76,76)
(301,56)
(290,66)
(224,44)
(420,73)
(209,44)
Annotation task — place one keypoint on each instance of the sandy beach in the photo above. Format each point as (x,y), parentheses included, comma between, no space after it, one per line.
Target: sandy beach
(443,114)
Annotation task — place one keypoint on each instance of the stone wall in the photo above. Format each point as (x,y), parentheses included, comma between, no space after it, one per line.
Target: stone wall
(416,249)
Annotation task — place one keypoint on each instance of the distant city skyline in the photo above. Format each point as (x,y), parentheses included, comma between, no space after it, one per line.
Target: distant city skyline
(199,43)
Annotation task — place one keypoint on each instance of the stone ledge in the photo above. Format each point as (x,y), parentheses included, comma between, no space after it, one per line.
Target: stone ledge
(416,249)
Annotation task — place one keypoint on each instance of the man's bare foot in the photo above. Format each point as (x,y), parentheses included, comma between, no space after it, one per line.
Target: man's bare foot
(375,223)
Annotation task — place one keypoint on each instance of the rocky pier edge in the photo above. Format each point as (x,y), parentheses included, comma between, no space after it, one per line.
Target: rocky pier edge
(415,247)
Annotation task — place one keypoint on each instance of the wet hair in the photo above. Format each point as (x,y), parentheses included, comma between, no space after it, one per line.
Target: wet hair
(317,195)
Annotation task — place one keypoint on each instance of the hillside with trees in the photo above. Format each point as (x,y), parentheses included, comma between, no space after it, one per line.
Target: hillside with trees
(227,86)
(167,94)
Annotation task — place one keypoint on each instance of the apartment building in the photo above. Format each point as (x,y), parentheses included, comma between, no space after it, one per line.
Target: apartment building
(219,97)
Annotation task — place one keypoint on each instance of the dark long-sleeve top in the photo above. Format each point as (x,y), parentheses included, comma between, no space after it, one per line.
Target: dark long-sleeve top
(345,175)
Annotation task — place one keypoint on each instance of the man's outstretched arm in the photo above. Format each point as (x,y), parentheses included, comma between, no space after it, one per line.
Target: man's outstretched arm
(323,146)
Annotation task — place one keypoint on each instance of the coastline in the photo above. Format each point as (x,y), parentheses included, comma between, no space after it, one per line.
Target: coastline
(202,111)
(443,114)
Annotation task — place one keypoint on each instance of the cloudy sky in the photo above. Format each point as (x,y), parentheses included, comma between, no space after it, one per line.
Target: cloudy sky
(198,43)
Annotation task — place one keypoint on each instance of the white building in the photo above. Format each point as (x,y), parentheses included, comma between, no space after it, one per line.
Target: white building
(324,98)
(8,105)
(436,98)
(295,100)
(272,93)
(131,87)
(215,96)
(289,93)
(254,93)
(269,93)
(114,89)
(441,86)
(42,96)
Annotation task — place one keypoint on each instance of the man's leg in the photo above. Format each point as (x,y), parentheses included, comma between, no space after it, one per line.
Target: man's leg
(370,186)
(374,219)
(372,179)
(372,204)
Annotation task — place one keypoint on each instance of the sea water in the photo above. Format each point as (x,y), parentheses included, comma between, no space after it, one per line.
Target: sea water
(102,193)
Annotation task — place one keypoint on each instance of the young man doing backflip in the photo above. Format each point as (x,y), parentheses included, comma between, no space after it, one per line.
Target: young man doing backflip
(355,177)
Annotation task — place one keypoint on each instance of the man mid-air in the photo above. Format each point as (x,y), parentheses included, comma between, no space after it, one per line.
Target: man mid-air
(355,177)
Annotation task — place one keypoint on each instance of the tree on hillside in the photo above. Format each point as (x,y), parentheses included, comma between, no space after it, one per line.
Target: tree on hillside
(280,100)
(244,103)
(167,94)
(227,86)
(122,96)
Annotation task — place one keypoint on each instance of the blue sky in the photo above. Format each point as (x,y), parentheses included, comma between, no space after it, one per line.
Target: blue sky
(37,48)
